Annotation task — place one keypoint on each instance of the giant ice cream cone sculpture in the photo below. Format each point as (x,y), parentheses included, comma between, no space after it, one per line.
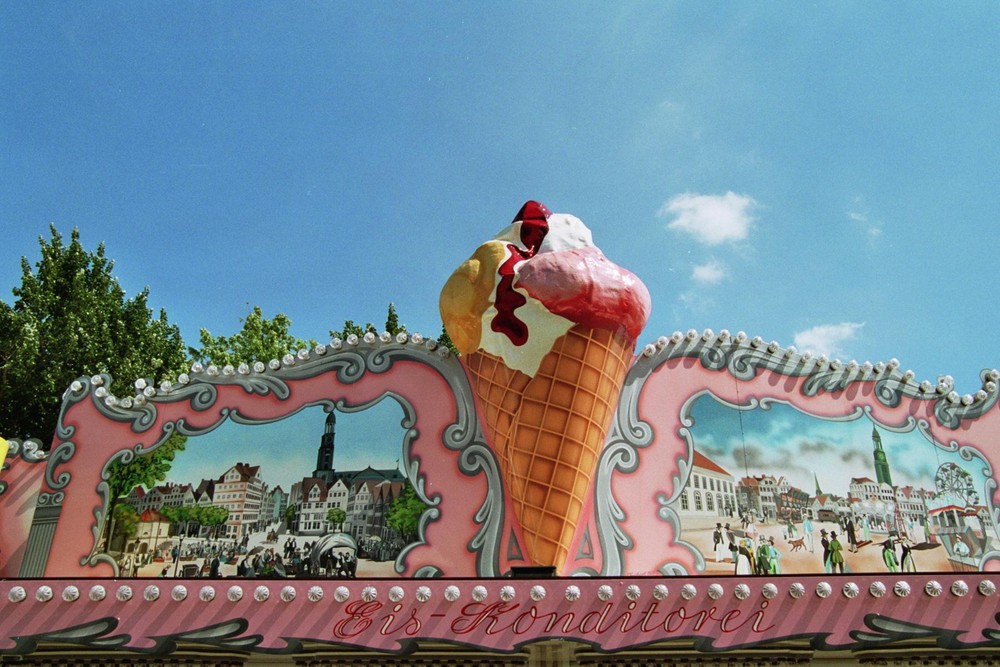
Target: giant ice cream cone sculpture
(546,326)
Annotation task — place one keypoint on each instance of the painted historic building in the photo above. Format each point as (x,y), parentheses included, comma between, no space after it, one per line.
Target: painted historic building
(710,491)
(363,496)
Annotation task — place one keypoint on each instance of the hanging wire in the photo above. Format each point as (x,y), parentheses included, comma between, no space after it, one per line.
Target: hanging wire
(743,435)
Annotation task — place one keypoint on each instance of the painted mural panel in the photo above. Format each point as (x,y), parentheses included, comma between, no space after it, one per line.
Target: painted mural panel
(743,496)
(308,495)
(245,473)
(370,461)
(733,457)
(773,490)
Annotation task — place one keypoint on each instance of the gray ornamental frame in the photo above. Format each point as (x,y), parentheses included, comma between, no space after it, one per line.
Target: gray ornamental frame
(743,358)
(350,360)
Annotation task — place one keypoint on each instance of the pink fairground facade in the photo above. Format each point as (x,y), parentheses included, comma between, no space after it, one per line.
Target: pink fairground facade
(749,501)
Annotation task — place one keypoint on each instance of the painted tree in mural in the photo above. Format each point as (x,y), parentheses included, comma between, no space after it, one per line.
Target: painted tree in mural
(126,521)
(70,317)
(147,471)
(214,518)
(336,518)
(404,514)
(189,519)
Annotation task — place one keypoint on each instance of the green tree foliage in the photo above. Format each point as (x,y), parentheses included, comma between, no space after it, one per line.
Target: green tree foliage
(336,516)
(405,512)
(214,517)
(175,515)
(260,339)
(146,470)
(351,328)
(392,324)
(190,517)
(127,521)
(70,318)
(445,339)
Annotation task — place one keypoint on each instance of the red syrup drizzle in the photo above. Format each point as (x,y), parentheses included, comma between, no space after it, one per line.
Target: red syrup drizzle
(533,217)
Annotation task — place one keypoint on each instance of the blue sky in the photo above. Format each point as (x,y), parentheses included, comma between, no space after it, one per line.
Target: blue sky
(286,450)
(821,174)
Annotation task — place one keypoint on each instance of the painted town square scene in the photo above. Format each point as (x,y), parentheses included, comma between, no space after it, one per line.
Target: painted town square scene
(293,498)
(772,490)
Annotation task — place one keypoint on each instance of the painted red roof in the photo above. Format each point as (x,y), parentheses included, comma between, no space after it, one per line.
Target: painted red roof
(150,516)
(702,461)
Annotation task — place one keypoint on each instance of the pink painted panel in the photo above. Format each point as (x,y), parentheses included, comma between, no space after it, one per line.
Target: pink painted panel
(20,481)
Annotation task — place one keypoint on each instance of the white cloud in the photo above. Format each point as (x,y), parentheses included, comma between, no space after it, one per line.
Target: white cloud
(710,219)
(711,272)
(827,339)
(872,228)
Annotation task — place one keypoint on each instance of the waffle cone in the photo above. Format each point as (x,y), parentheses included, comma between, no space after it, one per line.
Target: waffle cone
(548,430)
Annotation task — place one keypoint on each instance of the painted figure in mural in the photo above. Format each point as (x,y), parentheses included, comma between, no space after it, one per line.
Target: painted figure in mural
(743,559)
(719,544)
(906,559)
(748,545)
(807,533)
(852,538)
(775,557)
(731,541)
(547,347)
(825,542)
(960,547)
(763,562)
(836,554)
(889,555)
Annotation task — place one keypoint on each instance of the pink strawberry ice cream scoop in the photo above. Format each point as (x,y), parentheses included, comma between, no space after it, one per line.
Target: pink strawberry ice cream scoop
(586,288)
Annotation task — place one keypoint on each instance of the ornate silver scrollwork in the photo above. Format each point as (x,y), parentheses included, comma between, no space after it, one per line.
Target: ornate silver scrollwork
(350,363)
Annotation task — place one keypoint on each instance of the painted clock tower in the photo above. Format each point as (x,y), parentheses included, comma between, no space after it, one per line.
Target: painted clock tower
(324,457)
(882,472)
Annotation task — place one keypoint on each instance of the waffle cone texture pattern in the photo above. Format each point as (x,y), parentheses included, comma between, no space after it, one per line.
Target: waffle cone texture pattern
(548,431)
